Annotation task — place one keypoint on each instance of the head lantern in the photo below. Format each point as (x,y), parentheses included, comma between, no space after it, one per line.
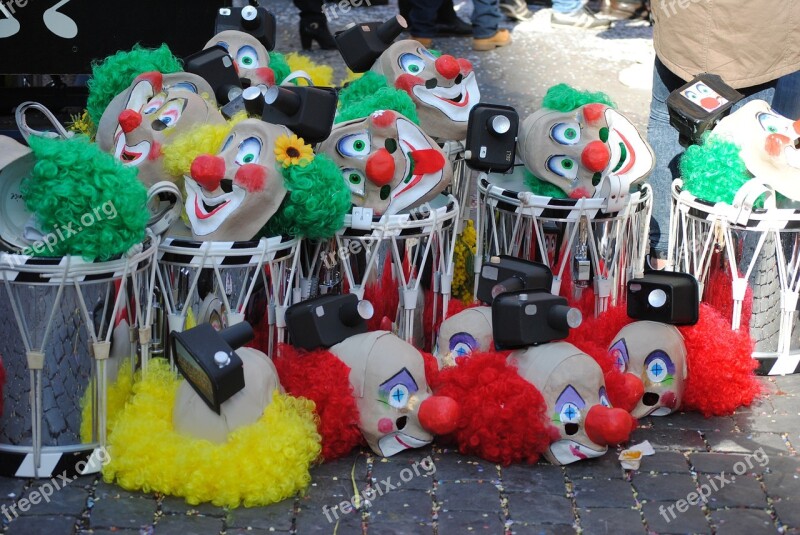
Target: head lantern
(768,143)
(388,162)
(153,110)
(655,354)
(232,195)
(397,410)
(581,144)
(249,55)
(444,89)
(573,388)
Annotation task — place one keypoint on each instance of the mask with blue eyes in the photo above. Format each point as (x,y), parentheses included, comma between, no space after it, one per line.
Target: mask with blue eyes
(465,333)
(769,145)
(654,356)
(152,112)
(592,151)
(248,54)
(578,406)
(444,89)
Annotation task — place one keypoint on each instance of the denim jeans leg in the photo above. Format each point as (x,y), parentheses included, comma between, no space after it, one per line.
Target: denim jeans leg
(567,6)
(422,17)
(486,18)
(787,96)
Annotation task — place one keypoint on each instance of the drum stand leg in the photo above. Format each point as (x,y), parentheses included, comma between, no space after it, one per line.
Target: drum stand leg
(35,365)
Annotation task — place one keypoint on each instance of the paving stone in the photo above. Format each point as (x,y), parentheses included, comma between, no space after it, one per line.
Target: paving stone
(730,463)
(188,525)
(405,505)
(523,528)
(122,513)
(417,476)
(783,464)
(690,521)
(611,521)
(401,528)
(665,462)
(666,487)
(788,511)
(670,439)
(782,484)
(178,506)
(536,508)
(774,423)
(472,496)
(42,524)
(325,495)
(743,521)
(11,488)
(453,467)
(605,466)
(103,491)
(540,477)
(463,522)
(67,501)
(591,493)
(737,442)
(113,531)
(696,421)
(277,516)
(741,491)
(341,468)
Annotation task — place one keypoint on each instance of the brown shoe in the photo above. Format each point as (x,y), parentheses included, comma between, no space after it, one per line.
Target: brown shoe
(424,41)
(501,38)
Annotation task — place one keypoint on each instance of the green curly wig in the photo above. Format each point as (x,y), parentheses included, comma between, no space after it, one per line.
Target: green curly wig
(77,187)
(316,202)
(714,170)
(564,98)
(540,187)
(372,92)
(114,74)
(278,64)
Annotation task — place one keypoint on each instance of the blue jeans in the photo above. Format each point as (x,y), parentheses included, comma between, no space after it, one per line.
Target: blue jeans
(567,6)
(422,17)
(486,18)
(787,96)
(664,140)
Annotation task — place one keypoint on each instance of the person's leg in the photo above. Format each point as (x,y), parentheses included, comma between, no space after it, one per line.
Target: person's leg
(486,18)
(787,96)
(422,18)
(567,6)
(448,22)
(404,7)
(574,13)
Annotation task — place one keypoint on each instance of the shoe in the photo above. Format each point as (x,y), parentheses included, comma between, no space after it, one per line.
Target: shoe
(516,10)
(453,28)
(501,38)
(427,42)
(581,18)
(315,28)
(624,10)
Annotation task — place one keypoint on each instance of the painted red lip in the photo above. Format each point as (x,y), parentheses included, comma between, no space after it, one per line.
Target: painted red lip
(464,102)
(630,152)
(576,451)
(406,446)
(201,213)
(128,156)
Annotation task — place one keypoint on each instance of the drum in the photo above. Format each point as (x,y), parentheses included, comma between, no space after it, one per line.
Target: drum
(760,248)
(214,281)
(602,241)
(412,240)
(59,316)
(463,183)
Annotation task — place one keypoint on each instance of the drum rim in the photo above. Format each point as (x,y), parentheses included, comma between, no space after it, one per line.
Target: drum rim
(407,220)
(262,250)
(716,210)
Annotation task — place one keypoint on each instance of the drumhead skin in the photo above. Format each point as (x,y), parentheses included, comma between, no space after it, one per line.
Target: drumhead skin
(444,89)
(389,163)
(154,109)
(768,145)
(582,150)
(231,196)
(16,163)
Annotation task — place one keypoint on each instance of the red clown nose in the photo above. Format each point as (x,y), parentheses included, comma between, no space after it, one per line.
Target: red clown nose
(380,167)
(608,427)
(208,171)
(595,156)
(427,161)
(634,390)
(448,66)
(130,120)
(439,415)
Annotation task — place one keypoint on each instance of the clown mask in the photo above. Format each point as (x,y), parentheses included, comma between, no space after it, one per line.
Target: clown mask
(388,162)
(444,89)
(232,195)
(154,109)
(769,145)
(655,354)
(249,55)
(572,384)
(395,405)
(590,151)
(468,332)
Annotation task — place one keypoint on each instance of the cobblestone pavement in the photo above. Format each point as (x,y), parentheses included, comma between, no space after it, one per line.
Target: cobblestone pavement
(457,495)
(466,495)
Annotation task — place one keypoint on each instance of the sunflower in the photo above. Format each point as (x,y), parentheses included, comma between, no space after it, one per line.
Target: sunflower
(293,151)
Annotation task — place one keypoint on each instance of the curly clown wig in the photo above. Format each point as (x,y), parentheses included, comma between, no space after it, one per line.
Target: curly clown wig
(372,92)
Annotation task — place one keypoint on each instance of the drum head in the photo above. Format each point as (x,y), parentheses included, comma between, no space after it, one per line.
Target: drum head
(16,163)
(512,183)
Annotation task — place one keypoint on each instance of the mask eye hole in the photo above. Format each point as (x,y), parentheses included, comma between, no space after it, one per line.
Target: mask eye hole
(774,124)
(154,104)
(566,133)
(411,64)
(354,145)
(171,113)
(356,180)
(247,58)
(249,151)
(563,166)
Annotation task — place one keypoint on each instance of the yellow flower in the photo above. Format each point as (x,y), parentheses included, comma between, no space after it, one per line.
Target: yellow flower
(293,151)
